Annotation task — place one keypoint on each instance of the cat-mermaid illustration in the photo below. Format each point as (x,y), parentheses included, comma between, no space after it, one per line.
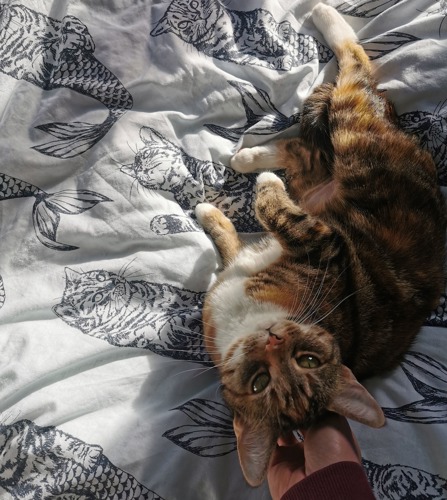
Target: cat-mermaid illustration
(247,38)
(134,313)
(44,462)
(53,54)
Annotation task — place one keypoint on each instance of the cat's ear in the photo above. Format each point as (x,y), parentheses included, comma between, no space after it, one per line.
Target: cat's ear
(355,402)
(255,446)
(148,135)
(162,27)
(71,275)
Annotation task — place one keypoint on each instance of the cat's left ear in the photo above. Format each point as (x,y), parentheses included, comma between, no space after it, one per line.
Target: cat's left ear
(162,27)
(355,402)
(255,446)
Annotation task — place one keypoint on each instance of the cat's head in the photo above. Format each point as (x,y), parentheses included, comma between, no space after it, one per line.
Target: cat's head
(283,378)
(191,20)
(92,298)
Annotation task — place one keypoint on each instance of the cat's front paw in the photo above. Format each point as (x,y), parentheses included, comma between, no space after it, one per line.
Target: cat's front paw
(269,178)
(244,161)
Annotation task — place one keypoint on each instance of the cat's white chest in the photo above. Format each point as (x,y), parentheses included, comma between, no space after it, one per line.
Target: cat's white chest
(234,313)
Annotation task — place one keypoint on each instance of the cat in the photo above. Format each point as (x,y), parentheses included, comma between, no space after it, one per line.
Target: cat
(351,267)
(246,38)
(134,313)
(163,166)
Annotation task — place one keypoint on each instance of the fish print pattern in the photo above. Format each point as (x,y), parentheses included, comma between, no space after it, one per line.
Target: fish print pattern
(173,224)
(162,166)
(53,54)
(208,432)
(246,38)
(48,207)
(429,379)
(44,462)
(2,293)
(134,313)
(261,116)
(366,8)
(431,129)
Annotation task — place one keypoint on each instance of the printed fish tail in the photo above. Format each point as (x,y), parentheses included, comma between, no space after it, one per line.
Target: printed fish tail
(48,208)
(74,138)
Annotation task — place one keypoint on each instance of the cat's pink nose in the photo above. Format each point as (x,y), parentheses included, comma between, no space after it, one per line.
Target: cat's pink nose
(273,341)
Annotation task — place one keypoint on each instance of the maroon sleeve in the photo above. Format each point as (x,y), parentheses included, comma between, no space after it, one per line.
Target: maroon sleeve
(340,481)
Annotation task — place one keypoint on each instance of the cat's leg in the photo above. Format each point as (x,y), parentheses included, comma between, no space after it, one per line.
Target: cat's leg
(294,228)
(221,230)
(249,160)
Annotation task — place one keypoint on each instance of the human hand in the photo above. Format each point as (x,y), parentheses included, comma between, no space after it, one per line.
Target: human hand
(327,442)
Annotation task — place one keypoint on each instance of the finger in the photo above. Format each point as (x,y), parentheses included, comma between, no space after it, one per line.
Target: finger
(291,454)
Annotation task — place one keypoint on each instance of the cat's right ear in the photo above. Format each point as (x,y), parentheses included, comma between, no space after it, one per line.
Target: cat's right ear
(162,27)
(71,274)
(255,446)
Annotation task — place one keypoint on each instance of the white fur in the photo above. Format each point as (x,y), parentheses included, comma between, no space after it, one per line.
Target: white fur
(235,315)
(267,177)
(257,158)
(332,26)
(202,210)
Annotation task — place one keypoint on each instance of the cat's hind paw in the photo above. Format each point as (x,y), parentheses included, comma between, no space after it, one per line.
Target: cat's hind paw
(269,178)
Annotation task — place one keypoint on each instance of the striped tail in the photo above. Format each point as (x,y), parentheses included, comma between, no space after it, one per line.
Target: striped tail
(48,208)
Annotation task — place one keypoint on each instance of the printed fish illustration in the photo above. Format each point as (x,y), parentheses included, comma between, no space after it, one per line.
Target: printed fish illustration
(54,54)
(429,379)
(401,481)
(49,206)
(2,293)
(47,463)
(262,117)
(366,8)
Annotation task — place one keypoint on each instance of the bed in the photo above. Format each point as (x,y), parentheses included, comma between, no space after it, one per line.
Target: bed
(117,118)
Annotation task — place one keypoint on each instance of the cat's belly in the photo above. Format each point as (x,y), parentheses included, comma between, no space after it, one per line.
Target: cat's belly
(315,200)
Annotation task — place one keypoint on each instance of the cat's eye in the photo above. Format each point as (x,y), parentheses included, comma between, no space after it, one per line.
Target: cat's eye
(98,297)
(101,277)
(308,361)
(183,24)
(194,5)
(260,382)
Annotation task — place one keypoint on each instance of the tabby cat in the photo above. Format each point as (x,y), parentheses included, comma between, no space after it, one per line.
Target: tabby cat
(352,265)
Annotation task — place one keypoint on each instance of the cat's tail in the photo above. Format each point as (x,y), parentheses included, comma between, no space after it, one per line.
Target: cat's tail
(355,102)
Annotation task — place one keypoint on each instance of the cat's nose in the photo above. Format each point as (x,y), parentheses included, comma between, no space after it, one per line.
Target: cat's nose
(273,341)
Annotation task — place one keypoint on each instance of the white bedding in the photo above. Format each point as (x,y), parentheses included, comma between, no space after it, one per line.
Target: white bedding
(113,127)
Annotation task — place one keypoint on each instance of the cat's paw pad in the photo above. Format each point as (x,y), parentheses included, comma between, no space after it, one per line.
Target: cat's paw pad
(268,178)
(244,161)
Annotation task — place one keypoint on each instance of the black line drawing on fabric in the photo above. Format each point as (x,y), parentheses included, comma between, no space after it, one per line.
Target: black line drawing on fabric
(431,128)
(2,293)
(52,54)
(366,8)
(262,117)
(162,166)
(252,37)
(442,9)
(48,207)
(384,44)
(401,481)
(438,317)
(127,312)
(173,224)
(208,431)
(45,462)
(428,378)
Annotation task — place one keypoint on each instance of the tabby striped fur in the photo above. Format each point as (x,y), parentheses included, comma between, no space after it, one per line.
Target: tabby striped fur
(352,265)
